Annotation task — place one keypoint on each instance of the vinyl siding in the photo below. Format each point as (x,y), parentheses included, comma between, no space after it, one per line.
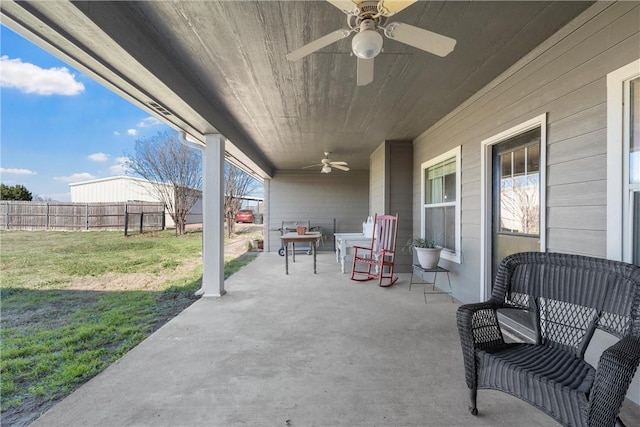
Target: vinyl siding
(390,189)
(400,198)
(377,181)
(318,198)
(564,77)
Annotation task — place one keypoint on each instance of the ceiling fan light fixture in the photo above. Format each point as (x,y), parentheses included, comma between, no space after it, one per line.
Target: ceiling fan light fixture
(367,43)
(326,169)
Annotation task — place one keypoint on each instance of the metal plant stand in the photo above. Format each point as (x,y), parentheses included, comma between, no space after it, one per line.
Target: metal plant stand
(421,270)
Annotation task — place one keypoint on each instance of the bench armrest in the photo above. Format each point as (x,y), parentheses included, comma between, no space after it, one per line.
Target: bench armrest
(478,324)
(478,328)
(616,368)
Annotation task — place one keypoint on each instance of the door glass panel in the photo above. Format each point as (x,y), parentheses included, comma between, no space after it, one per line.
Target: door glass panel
(515,196)
(519,200)
(634,133)
(636,228)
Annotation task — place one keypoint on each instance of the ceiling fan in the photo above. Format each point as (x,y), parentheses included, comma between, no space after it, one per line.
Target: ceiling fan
(328,164)
(367,18)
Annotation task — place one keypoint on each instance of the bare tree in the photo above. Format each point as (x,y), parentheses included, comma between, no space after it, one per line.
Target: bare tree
(520,206)
(238,184)
(174,171)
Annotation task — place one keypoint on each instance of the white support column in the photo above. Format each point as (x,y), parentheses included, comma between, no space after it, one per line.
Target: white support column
(213,217)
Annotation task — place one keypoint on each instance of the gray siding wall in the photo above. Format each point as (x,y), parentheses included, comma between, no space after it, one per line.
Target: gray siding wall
(318,198)
(390,189)
(377,182)
(564,77)
(399,197)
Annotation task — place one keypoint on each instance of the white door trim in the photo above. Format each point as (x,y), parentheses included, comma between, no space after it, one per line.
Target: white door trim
(617,166)
(486,205)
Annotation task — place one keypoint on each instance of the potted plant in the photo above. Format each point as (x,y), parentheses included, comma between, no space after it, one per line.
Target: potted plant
(427,250)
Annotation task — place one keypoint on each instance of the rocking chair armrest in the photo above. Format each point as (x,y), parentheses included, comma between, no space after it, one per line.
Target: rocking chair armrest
(362,249)
(616,369)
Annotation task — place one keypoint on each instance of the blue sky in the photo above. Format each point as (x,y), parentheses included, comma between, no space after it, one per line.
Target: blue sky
(59,126)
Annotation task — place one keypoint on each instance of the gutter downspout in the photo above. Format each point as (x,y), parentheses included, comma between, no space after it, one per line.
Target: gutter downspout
(188,140)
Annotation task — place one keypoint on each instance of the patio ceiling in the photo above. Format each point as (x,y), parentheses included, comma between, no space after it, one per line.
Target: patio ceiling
(221,66)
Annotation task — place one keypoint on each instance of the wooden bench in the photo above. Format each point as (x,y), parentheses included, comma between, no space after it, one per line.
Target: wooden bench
(571,298)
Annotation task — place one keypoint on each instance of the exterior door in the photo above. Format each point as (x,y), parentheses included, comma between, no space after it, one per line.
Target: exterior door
(516,196)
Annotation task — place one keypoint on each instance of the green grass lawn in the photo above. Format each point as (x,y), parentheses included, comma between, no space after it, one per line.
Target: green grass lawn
(72,303)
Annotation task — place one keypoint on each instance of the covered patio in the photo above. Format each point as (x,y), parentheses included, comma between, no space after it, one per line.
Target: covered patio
(301,349)
(304,349)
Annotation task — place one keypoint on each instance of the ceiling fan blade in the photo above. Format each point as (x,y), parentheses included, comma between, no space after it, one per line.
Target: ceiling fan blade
(391,7)
(422,39)
(365,71)
(344,5)
(342,168)
(338,163)
(312,166)
(317,44)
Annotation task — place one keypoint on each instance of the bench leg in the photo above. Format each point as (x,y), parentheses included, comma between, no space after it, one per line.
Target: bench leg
(473,396)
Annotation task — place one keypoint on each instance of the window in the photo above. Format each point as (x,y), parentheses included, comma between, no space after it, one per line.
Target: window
(623,164)
(441,202)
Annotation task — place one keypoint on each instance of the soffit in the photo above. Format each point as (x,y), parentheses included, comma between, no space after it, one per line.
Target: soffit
(221,66)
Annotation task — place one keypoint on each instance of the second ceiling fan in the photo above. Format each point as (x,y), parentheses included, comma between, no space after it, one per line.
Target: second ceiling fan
(367,19)
(327,164)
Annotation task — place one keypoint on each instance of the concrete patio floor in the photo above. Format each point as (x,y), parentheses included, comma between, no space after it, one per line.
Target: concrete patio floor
(296,350)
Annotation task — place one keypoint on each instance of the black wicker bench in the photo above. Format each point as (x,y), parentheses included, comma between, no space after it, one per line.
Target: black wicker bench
(571,298)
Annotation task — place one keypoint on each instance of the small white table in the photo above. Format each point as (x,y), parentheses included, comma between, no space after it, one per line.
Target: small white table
(344,241)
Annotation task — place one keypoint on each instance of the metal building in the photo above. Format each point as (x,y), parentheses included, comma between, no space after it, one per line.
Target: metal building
(124,189)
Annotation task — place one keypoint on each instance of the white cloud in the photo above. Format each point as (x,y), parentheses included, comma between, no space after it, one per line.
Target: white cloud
(16,171)
(30,78)
(132,132)
(120,168)
(98,157)
(116,133)
(76,177)
(148,122)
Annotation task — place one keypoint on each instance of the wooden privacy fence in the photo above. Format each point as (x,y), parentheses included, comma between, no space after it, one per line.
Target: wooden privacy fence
(80,216)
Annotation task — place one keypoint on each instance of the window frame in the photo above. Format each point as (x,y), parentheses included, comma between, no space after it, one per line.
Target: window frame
(456,152)
(619,191)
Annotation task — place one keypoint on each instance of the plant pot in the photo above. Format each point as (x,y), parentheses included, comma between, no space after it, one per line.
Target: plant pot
(301,230)
(428,257)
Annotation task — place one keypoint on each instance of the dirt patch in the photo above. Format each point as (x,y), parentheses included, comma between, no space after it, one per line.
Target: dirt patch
(235,247)
(134,281)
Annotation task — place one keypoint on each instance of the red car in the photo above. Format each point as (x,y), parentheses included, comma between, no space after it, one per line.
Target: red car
(244,216)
